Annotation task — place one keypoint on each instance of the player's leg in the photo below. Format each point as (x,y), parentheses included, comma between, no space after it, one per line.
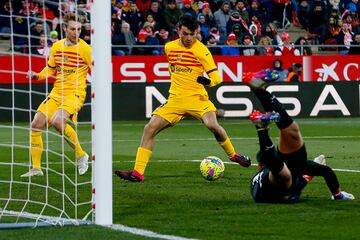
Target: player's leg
(279,174)
(316,169)
(290,139)
(210,121)
(163,117)
(38,123)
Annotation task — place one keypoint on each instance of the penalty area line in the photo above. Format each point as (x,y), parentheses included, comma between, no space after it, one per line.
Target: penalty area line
(145,233)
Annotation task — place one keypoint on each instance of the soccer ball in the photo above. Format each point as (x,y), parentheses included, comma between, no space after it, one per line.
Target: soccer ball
(212,168)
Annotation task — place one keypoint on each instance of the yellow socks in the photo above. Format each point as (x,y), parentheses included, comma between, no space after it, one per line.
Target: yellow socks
(228,148)
(36,149)
(142,158)
(73,140)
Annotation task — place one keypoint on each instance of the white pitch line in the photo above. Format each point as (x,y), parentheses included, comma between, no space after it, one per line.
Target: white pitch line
(225,162)
(146,233)
(196,139)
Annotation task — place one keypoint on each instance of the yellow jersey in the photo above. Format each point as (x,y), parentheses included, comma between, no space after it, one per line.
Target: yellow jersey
(186,65)
(71,64)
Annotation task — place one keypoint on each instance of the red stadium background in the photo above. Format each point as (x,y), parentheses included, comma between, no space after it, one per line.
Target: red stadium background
(149,69)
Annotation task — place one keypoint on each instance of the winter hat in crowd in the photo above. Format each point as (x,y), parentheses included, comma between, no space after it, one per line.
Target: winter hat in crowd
(285,36)
(142,36)
(231,37)
(205,5)
(187,2)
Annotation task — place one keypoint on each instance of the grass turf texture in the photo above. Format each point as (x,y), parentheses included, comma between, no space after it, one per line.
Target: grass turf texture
(176,200)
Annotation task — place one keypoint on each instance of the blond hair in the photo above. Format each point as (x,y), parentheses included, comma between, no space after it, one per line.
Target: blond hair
(71,17)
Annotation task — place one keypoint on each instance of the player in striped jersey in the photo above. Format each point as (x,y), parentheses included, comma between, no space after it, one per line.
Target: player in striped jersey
(70,58)
(188,60)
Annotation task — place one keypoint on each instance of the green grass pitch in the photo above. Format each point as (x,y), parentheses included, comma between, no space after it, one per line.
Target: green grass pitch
(176,200)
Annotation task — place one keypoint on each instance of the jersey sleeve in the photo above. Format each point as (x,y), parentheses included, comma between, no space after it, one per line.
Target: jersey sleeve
(87,55)
(207,60)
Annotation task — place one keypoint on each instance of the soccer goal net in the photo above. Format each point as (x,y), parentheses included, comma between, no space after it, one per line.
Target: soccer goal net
(59,195)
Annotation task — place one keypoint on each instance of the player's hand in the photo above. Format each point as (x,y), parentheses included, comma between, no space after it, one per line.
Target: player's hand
(203,80)
(32,75)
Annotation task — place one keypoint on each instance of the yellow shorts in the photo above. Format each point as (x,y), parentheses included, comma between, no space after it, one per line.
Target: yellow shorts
(72,103)
(175,109)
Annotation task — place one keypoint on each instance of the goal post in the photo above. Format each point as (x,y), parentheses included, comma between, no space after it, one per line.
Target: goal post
(61,196)
(102,111)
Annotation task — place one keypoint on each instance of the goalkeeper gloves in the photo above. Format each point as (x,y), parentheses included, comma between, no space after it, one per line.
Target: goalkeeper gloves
(203,80)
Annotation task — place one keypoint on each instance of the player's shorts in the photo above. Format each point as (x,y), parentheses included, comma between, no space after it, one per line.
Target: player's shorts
(72,103)
(296,161)
(176,108)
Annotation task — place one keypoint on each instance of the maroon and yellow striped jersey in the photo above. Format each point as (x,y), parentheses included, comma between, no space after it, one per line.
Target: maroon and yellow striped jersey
(186,65)
(71,63)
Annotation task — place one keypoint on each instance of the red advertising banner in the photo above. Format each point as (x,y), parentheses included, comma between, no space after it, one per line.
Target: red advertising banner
(149,69)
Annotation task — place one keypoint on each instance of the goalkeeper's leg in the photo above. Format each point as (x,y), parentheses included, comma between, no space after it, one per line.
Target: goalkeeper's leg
(290,139)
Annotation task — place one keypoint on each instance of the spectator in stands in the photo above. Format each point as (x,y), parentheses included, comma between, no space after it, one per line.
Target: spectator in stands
(140,49)
(303,46)
(188,9)
(232,48)
(350,20)
(212,45)
(295,73)
(216,33)
(355,45)
(171,16)
(156,12)
(86,32)
(124,37)
(163,37)
(134,18)
(344,38)
(143,6)
(271,33)
(255,10)
(286,48)
(236,29)
(333,28)
(222,17)
(248,48)
(303,13)
(264,46)
(318,21)
(209,16)
(53,37)
(278,66)
(255,21)
(36,31)
(153,41)
(204,27)
(241,8)
(41,47)
(235,18)
(254,32)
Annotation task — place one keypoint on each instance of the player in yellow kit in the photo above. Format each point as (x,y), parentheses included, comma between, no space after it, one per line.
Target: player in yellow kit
(70,58)
(188,60)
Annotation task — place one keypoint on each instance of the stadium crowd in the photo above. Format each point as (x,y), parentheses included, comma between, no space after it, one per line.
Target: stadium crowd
(227,27)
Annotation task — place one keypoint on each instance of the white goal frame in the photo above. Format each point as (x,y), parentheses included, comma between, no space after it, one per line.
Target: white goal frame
(101,133)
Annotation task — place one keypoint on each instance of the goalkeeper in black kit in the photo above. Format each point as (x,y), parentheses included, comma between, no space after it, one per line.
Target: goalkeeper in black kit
(285,169)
